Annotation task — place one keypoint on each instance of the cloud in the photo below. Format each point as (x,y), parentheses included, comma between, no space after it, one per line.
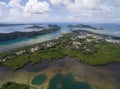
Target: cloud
(37,7)
(83,5)
(90,10)
(15,4)
(3,9)
(60,10)
(15,8)
(61,2)
(33,11)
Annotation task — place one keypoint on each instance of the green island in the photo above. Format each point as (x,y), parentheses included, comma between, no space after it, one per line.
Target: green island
(13,85)
(87,47)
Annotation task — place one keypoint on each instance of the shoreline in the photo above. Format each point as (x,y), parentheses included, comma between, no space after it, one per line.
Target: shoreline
(45,63)
(24,44)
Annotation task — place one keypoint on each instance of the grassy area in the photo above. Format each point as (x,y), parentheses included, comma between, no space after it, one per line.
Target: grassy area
(13,85)
(47,54)
(17,62)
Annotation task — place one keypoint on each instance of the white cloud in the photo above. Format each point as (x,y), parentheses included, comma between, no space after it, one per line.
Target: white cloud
(91,10)
(61,2)
(3,9)
(60,10)
(15,4)
(33,11)
(16,9)
(83,5)
(37,7)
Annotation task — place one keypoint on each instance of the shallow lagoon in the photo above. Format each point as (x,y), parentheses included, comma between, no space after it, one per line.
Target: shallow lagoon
(39,80)
(67,82)
(98,77)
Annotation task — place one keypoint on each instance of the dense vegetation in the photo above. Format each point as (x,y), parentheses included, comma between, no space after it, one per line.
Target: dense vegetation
(13,85)
(95,53)
(14,35)
(17,62)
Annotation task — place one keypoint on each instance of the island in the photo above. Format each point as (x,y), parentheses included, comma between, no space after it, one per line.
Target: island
(34,27)
(15,35)
(52,25)
(83,26)
(89,48)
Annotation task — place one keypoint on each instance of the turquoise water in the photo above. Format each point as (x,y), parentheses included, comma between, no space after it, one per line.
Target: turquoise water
(109,29)
(39,80)
(11,44)
(67,82)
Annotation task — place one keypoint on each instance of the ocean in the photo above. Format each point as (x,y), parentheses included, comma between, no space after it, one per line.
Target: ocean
(108,29)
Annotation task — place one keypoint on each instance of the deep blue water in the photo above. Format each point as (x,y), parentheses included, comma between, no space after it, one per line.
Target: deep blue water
(109,29)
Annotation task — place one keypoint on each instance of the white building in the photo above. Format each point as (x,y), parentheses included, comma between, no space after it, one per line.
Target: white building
(20,52)
(34,49)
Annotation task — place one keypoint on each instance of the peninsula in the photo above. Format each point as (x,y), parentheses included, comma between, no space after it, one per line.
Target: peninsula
(89,48)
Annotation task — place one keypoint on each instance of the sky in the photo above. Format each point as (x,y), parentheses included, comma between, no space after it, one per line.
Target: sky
(91,11)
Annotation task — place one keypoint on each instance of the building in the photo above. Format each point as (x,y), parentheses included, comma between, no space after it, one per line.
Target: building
(20,52)
(34,49)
